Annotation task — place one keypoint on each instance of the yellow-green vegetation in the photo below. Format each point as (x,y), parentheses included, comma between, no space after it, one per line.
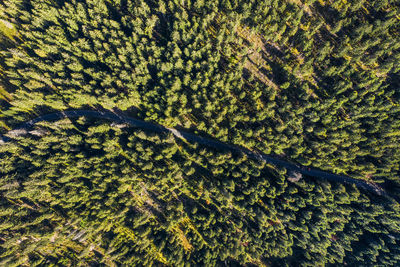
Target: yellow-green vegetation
(314,82)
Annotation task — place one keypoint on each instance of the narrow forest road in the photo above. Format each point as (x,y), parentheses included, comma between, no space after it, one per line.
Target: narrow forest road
(22,129)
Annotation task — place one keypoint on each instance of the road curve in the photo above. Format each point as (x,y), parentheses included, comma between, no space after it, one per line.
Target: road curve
(319,174)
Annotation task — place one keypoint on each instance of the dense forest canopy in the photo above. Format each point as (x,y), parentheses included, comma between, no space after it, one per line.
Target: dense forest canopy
(313,82)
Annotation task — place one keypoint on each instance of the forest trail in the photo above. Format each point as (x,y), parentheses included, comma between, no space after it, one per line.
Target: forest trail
(319,174)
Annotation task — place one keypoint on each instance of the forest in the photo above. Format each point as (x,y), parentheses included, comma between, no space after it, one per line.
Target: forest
(313,82)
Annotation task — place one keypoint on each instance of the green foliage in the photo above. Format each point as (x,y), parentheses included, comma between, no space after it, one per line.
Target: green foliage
(315,82)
